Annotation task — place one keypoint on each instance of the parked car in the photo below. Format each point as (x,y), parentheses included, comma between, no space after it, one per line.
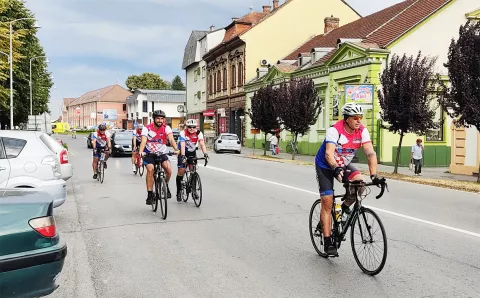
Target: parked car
(33,159)
(67,168)
(89,140)
(227,142)
(32,252)
(121,143)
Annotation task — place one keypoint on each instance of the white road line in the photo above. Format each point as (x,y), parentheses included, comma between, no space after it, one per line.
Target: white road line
(374,208)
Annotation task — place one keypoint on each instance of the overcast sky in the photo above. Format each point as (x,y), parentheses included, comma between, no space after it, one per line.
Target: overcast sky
(94,43)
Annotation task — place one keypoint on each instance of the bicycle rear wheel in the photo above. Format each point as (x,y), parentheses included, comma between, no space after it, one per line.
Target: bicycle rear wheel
(196,189)
(141,169)
(316,228)
(163,198)
(369,248)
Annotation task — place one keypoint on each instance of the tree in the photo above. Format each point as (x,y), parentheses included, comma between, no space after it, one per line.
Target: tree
(177,83)
(147,80)
(463,99)
(409,86)
(26,46)
(263,112)
(298,106)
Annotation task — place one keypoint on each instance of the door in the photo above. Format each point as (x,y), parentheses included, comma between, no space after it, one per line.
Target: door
(4,167)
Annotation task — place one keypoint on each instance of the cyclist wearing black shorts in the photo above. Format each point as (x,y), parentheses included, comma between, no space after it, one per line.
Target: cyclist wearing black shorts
(342,140)
(136,140)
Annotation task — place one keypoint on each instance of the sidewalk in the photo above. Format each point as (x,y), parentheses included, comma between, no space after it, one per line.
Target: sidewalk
(432,173)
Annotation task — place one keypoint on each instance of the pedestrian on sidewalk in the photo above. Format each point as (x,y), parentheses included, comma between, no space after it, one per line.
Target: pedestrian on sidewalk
(417,156)
(273,144)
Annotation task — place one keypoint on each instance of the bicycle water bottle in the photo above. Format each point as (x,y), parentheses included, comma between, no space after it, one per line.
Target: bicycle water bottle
(338,212)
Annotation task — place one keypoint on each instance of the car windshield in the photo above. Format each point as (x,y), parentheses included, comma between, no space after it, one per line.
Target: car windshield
(229,137)
(123,136)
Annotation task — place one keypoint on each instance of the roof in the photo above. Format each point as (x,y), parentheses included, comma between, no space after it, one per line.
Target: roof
(190,53)
(103,94)
(171,96)
(380,28)
(243,24)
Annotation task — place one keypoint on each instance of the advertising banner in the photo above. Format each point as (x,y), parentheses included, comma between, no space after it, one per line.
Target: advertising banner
(110,114)
(361,94)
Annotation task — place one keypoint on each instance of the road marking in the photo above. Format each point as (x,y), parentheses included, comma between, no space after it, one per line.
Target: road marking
(373,208)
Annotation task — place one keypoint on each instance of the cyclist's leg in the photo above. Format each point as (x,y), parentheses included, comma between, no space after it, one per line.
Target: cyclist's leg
(325,185)
(351,174)
(149,162)
(96,155)
(168,173)
(180,173)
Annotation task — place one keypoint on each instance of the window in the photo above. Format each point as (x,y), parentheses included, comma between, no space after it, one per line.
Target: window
(214,83)
(436,135)
(240,74)
(124,107)
(321,118)
(224,78)
(145,106)
(234,75)
(219,81)
(13,147)
(153,106)
(203,96)
(50,142)
(229,137)
(203,72)
(210,85)
(2,152)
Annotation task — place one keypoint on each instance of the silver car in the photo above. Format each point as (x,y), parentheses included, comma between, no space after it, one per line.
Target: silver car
(227,142)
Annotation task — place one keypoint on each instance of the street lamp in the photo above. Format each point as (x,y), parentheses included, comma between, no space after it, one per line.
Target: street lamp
(11,63)
(31,105)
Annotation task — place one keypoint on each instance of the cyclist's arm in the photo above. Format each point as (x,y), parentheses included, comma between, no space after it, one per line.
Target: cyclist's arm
(144,140)
(109,141)
(330,155)
(369,152)
(181,142)
(201,140)
(94,140)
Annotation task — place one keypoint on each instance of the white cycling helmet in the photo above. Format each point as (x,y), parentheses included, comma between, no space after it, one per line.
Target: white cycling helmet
(191,122)
(352,109)
(140,126)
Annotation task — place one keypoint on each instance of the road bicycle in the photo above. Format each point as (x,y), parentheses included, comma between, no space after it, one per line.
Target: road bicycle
(139,166)
(101,165)
(367,244)
(292,147)
(191,180)
(160,183)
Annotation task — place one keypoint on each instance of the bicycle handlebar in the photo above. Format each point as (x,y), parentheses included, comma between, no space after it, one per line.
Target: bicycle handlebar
(201,158)
(383,184)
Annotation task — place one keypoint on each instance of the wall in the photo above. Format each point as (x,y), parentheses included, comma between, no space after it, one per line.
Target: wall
(465,150)
(195,83)
(289,27)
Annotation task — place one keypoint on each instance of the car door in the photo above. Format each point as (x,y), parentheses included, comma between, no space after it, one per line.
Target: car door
(4,167)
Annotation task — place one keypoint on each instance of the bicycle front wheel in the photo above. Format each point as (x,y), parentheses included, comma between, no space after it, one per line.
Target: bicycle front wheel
(196,188)
(141,168)
(156,196)
(316,228)
(369,242)
(163,198)
(185,192)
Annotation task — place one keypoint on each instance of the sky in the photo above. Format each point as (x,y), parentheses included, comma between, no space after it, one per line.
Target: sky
(95,43)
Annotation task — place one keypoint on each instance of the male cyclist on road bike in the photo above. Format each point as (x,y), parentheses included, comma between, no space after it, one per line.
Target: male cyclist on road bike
(100,140)
(342,140)
(187,143)
(137,139)
(154,140)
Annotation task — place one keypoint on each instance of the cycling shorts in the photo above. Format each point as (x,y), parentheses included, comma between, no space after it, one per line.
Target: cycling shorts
(180,165)
(325,178)
(151,160)
(96,153)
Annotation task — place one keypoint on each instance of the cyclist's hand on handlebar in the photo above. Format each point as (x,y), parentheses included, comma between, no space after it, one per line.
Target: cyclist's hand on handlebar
(183,159)
(377,180)
(338,173)
(205,155)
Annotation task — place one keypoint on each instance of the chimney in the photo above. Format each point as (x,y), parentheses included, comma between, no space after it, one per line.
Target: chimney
(266,8)
(234,19)
(331,23)
(212,27)
(275,4)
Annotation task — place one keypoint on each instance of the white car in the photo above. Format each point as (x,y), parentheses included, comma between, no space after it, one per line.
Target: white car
(227,142)
(26,161)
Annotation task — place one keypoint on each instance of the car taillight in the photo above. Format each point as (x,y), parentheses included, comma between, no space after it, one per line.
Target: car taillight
(45,226)
(64,157)
(238,142)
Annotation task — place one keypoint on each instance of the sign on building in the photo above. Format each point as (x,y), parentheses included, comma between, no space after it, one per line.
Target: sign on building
(361,94)
(110,114)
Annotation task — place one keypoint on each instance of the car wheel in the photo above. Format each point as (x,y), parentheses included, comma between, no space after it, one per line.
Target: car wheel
(238,152)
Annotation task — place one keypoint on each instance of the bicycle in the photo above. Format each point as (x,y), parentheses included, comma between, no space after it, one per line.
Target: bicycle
(340,225)
(160,184)
(74,134)
(140,167)
(190,179)
(101,165)
(292,146)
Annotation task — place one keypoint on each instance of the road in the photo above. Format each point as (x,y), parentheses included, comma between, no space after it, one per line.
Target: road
(250,237)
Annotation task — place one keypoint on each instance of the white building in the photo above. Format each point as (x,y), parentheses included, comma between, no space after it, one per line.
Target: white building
(199,43)
(142,103)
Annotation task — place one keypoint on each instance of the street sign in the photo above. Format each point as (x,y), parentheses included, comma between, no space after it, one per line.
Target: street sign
(255,131)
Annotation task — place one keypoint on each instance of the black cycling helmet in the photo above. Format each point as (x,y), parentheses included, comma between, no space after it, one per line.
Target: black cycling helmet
(159,113)
(102,127)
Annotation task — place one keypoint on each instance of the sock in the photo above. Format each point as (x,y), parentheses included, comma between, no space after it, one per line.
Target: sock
(327,240)
(150,193)
(179,183)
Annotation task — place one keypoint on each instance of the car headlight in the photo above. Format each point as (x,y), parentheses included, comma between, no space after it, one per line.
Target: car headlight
(117,146)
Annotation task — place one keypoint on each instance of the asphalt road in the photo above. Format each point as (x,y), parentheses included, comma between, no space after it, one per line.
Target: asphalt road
(250,237)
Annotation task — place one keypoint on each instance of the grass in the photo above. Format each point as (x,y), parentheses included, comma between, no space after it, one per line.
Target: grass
(444,183)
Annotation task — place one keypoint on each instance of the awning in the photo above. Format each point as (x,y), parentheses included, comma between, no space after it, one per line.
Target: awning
(209,113)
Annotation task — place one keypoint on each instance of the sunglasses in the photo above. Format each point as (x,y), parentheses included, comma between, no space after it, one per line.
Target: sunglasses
(357,118)
(191,126)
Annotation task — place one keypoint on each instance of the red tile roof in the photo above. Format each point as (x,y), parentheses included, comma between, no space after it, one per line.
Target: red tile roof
(243,24)
(381,28)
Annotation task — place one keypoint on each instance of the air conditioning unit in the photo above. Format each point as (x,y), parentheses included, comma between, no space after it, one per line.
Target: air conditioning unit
(264,62)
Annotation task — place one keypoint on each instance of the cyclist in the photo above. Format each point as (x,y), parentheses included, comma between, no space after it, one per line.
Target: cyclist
(187,143)
(154,140)
(333,160)
(100,140)
(137,139)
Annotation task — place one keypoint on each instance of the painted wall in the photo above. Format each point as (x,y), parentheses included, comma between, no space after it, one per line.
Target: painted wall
(289,27)
(471,148)
(195,84)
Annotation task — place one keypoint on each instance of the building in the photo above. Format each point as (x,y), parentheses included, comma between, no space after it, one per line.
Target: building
(352,57)
(142,103)
(104,105)
(199,43)
(255,40)
(465,151)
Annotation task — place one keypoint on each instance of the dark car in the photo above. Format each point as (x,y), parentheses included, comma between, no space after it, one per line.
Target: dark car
(89,140)
(121,143)
(32,253)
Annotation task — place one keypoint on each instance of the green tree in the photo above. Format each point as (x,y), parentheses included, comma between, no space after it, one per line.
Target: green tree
(26,46)
(147,80)
(177,83)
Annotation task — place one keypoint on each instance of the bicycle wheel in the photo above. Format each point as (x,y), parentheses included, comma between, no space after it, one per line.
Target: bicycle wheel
(141,169)
(156,196)
(368,245)
(196,188)
(316,229)
(186,188)
(102,171)
(163,198)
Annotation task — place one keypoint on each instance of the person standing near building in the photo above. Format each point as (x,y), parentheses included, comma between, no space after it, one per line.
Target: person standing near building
(417,156)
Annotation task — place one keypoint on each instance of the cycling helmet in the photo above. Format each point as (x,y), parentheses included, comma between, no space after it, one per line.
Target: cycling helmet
(140,126)
(102,127)
(191,122)
(352,109)
(159,113)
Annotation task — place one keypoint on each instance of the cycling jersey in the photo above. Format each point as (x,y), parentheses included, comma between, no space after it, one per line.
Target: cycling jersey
(101,139)
(137,134)
(190,140)
(156,138)
(346,144)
